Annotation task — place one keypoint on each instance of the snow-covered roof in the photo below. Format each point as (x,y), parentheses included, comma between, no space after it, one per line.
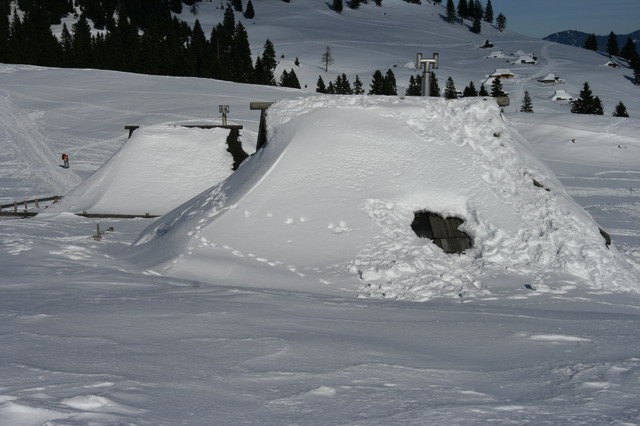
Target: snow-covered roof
(561,95)
(503,72)
(156,170)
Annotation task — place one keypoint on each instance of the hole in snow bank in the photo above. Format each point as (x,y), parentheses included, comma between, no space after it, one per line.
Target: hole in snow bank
(443,231)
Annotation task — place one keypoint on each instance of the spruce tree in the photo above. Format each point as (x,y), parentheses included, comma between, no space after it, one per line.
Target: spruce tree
(488,12)
(434,87)
(477,25)
(357,86)
(483,91)
(612,45)
(462,9)
(415,88)
(330,89)
(338,6)
(377,83)
(450,89)
(527,105)
(389,84)
(496,88)
(81,44)
(470,90)
(237,5)
(620,111)
(591,43)
(320,86)
(451,12)
(587,103)
(501,21)
(249,12)
(629,50)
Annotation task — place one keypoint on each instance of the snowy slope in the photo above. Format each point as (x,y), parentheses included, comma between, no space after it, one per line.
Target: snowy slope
(88,337)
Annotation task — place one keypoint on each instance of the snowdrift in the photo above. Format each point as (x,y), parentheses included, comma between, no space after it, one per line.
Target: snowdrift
(156,170)
(334,192)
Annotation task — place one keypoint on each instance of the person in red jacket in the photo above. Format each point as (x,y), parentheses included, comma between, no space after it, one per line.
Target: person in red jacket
(65,160)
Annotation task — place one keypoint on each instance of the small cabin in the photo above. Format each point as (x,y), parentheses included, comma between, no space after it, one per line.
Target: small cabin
(561,95)
(551,79)
(502,73)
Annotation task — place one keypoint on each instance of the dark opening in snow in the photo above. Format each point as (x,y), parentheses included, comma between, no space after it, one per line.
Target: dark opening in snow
(443,231)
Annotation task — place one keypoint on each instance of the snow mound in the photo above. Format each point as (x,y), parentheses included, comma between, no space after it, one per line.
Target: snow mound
(335,191)
(157,169)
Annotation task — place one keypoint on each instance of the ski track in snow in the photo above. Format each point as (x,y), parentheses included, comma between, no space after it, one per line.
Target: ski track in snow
(38,163)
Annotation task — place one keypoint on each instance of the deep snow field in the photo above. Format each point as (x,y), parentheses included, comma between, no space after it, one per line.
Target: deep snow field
(287,292)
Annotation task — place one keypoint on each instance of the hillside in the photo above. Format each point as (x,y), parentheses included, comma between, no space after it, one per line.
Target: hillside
(577,38)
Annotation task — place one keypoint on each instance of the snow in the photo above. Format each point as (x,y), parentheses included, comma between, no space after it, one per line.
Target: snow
(244,303)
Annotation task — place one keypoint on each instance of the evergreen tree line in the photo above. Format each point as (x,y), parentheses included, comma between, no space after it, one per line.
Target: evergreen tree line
(166,46)
(629,52)
(474,10)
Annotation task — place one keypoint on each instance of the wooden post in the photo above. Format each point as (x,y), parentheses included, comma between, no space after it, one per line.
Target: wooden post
(97,236)
(37,204)
(15,207)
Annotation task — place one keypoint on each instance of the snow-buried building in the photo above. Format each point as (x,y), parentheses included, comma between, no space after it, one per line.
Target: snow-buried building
(157,169)
(329,204)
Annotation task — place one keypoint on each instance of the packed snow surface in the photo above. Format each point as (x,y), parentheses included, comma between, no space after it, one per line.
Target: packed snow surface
(336,188)
(88,337)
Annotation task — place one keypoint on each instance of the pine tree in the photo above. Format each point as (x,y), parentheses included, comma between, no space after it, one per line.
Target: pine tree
(330,89)
(415,88)
(501,21)
(488,12)
(327,59)
(377,83)
(320,86)
(470,90)
(354,4)
(357,86)
(591,43)
(451,12)
(620,111)
(527,105)
(587,103)
(450,89)
(434,87)
(496,88)
(483,91)
(612,45)
(338,6)
(237,5)
(249,12)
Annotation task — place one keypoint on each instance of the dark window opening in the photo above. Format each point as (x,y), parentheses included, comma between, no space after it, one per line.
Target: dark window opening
(443,231)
